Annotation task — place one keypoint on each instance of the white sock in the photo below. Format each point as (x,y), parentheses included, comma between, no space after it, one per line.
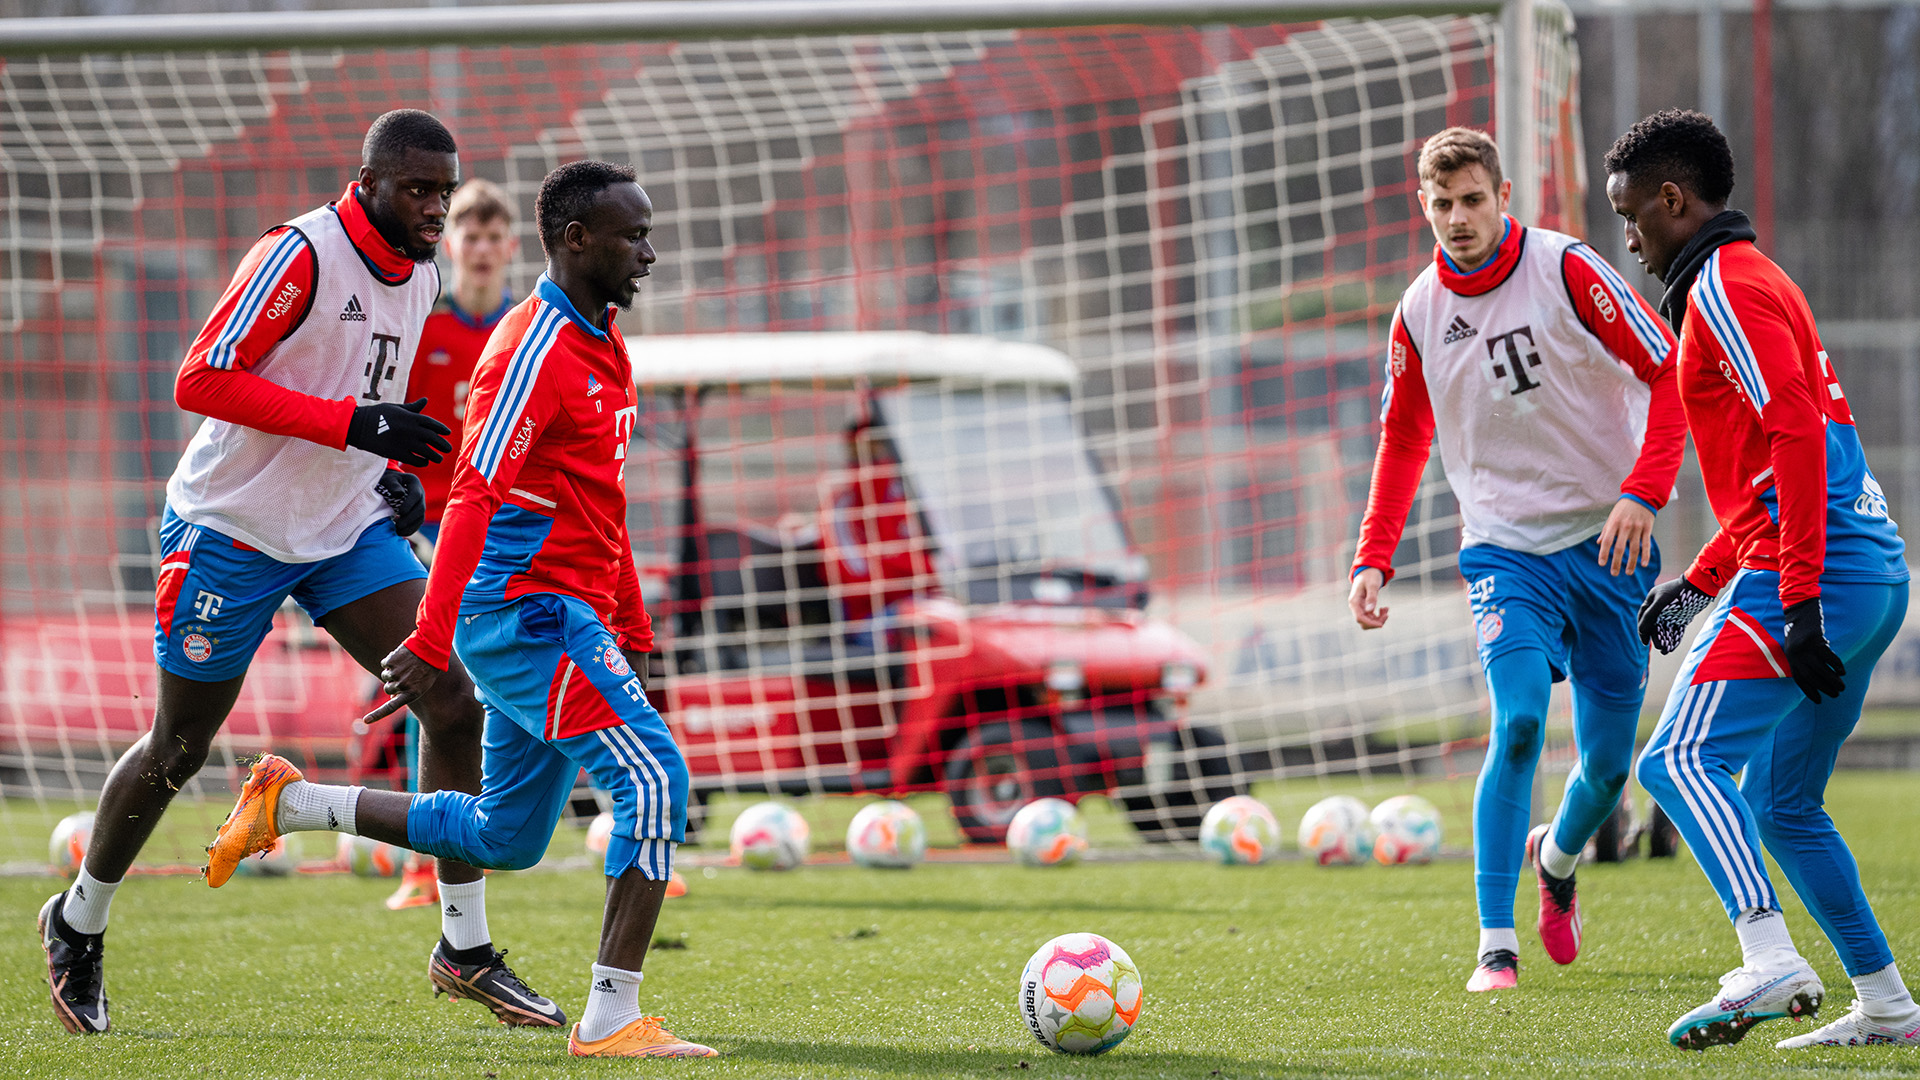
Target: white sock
(1883,995)
(1556,862)
(1764,940)
(1501,937)
(463,914)
(613,1002)
(88,899)
(306,807)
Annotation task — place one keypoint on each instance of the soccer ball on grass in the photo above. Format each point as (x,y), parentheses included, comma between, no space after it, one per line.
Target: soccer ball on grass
(368,857)
(887,834)
(1408,828)
(769,836)
(1080,994)
(68,845)
(1047,832)
(1240,831)
(1336,832)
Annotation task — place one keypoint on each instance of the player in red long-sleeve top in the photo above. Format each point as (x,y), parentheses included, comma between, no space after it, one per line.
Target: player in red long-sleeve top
(1541,371)
(287,490)
(1807,581)
(534,588)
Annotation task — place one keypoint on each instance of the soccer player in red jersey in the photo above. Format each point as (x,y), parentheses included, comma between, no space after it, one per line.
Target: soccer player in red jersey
(534,588)
(287,489)
(480,244)
(1807,582)
(1548,382)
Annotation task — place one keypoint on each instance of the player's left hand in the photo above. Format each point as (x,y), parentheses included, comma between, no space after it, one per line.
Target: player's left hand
(637,660)
(1627,539)
(1814,665)
(407,497)
(404,676)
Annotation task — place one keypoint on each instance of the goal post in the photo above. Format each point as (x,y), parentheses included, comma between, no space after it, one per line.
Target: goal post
(1204,212)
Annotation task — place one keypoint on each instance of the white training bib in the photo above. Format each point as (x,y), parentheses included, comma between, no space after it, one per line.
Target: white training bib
(296,500)
(1538,424)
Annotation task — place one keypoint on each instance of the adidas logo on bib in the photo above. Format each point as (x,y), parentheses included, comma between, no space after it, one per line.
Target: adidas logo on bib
(353,312)
(1458,330)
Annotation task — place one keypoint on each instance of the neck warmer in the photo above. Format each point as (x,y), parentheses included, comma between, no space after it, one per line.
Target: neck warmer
(1726,227)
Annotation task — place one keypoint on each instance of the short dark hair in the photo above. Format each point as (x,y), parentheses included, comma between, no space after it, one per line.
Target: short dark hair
(1678,145)
(567,194)
(1457,148)
(396,132)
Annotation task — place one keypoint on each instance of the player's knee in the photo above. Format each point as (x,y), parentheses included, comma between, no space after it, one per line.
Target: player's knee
(176,758)
(1651,771)
(1520,734)
(501,849)
(450,711)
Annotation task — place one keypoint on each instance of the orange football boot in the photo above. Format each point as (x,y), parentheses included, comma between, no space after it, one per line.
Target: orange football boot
(249,829)
(419,885)
(642,1038)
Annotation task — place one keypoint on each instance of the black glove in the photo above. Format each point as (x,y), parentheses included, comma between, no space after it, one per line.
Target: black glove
(1814,664)
(1667,610)
(400,433)
(404,493)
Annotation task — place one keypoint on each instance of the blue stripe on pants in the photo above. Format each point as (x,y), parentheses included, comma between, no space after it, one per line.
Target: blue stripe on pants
(1787,745)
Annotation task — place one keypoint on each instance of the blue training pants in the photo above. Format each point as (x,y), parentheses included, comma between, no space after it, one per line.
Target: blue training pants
(1733,707)
(1541,618)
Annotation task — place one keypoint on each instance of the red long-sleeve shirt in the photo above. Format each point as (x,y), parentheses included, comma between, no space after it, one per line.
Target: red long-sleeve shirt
(539,502)
(1779,455)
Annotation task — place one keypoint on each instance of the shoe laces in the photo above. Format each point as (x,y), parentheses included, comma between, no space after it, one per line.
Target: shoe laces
(500,961)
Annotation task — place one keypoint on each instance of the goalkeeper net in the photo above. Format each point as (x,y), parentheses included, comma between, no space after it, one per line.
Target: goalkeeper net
(1115,562)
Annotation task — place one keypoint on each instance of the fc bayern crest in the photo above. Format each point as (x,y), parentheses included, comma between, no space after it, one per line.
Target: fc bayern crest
(616,661)
(1490,627)
(197,647)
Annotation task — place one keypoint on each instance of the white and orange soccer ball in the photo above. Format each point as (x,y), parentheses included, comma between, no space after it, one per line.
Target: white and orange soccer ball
(769,836)
(1336,831)
(1240,831)
(367,857)
(1047,832)
(1080,994)
(888,835)
(68,844)
(599,834)
(1408,829)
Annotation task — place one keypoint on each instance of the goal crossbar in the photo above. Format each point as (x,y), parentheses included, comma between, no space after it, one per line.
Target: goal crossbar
(658,20)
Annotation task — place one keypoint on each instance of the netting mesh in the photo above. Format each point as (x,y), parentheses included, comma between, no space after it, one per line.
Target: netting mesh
(1211,225)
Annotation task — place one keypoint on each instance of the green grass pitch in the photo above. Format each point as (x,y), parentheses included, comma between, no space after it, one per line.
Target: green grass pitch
(831,971)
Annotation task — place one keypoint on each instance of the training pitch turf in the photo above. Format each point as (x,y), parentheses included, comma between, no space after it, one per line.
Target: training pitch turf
(831,971)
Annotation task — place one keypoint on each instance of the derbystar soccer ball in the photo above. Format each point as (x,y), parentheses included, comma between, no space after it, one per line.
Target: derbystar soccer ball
(600,834)
(769,836)
(1080,994)
(368,857)
(1408,828)
(1337,832)
(281,859)
(1240,831)
(68,845)
(887,834)
(1047,832)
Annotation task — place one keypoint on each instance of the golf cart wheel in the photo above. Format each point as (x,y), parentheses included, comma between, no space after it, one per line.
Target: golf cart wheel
(1615,840)
(1663,839)
(997,768)
(1166,809)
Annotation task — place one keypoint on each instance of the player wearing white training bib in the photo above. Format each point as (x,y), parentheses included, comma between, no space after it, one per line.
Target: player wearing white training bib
(1548,383)
(287,490)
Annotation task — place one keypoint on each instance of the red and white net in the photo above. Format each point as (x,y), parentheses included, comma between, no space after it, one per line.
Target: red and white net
(1126,577)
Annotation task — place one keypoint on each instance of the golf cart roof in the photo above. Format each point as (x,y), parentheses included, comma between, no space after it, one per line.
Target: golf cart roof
(722,359)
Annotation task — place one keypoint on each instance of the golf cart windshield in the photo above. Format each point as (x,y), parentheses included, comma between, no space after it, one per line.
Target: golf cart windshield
(1008,491)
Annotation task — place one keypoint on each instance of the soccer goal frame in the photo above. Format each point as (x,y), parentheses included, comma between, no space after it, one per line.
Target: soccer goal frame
(656,20)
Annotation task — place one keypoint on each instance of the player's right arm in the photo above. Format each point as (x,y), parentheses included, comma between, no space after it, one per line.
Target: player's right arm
(268,299)
(1406,434)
